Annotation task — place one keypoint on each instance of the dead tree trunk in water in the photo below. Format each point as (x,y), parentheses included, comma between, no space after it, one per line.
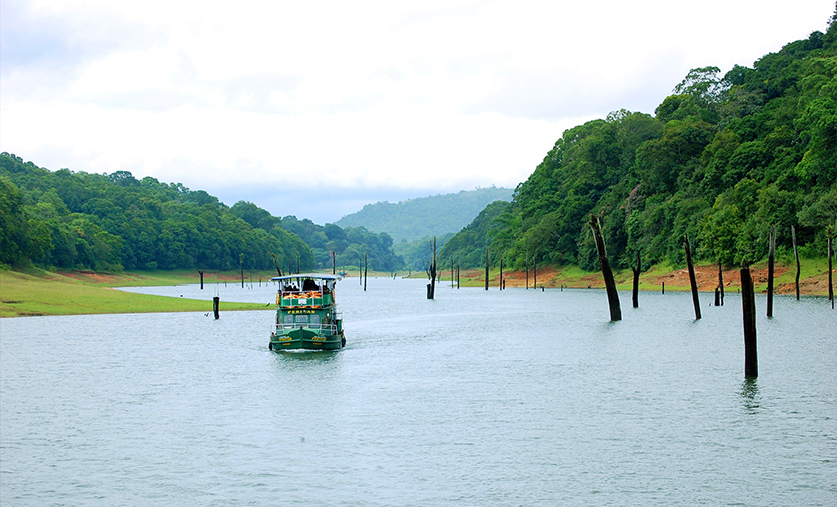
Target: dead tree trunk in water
(501,274)
(771,257)
(365,270)
(721,282)
(692,280)
(201,272)
(216,302)
(431,273)
(796,254)
(607,273)
(830,269)
(276,263)
(535,272)
(748,307)
(241,260)
(635,293)
(486,268)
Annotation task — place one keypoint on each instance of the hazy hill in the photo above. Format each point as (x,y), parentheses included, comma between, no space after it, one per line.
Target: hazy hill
(425,216)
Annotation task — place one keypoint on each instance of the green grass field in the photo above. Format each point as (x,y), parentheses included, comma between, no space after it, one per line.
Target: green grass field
(47,293)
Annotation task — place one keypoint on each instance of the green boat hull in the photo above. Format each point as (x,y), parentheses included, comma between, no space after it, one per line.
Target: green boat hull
(306,339)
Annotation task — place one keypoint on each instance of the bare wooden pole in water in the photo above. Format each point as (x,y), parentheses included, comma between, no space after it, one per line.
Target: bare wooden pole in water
(486,268)
(830,269)
(607,273)
(431,273)
(215,306)
(636,269)
(535,272)
(692,280)
(365,270)
(276,263)
(796,254)
(201,272)
(771,257)
(748,307)
(501,274)
(721,282)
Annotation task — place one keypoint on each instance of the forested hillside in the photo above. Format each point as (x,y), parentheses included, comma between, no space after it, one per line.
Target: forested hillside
(425,216)
(78,220)
(350,244)
(723,160)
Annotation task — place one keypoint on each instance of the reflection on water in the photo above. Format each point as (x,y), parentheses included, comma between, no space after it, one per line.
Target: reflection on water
(750,394)
(475,398)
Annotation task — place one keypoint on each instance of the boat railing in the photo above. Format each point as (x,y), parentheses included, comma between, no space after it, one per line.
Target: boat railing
(322,328)
(309,299)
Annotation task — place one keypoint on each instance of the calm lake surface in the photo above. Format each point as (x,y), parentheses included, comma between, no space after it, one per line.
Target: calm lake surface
(476,398)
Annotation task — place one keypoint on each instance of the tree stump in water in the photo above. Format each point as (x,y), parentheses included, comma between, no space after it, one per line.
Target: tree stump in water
(796,254)
(771,255)
(748,307)
(635,293)
(607,273)
(692,280)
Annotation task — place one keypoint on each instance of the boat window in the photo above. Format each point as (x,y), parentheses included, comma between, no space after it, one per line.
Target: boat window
(314,320)
(288,320)
(301,319)
(309,285)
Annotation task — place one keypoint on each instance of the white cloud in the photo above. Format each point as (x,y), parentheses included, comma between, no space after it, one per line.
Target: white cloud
(436,94)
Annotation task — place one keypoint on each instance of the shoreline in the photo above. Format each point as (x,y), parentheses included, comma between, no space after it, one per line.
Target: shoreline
(45,293)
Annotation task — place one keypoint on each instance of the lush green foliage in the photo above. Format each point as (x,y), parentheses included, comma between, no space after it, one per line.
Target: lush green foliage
(351,245)
(467,248)
(109,222)
(426,216)
(418,253)
(723,160)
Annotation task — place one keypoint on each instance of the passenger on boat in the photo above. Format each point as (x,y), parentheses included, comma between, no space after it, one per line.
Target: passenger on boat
(309,285)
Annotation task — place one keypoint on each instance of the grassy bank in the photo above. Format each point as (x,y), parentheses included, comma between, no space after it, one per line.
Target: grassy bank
(38,292)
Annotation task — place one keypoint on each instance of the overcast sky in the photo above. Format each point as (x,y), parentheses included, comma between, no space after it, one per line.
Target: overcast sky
(314,108)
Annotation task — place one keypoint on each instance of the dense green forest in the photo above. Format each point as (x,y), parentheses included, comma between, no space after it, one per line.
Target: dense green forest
(435,215)
(723,160)
(350,244)
(79,220)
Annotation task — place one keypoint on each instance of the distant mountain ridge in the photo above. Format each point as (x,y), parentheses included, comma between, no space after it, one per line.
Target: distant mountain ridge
(425,216)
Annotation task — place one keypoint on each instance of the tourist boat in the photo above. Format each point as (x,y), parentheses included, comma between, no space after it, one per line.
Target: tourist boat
(306,313)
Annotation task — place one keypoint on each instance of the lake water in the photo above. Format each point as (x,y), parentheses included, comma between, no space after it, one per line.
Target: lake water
(475,398)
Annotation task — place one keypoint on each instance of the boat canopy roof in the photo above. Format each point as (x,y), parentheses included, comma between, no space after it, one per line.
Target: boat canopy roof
(316,276)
